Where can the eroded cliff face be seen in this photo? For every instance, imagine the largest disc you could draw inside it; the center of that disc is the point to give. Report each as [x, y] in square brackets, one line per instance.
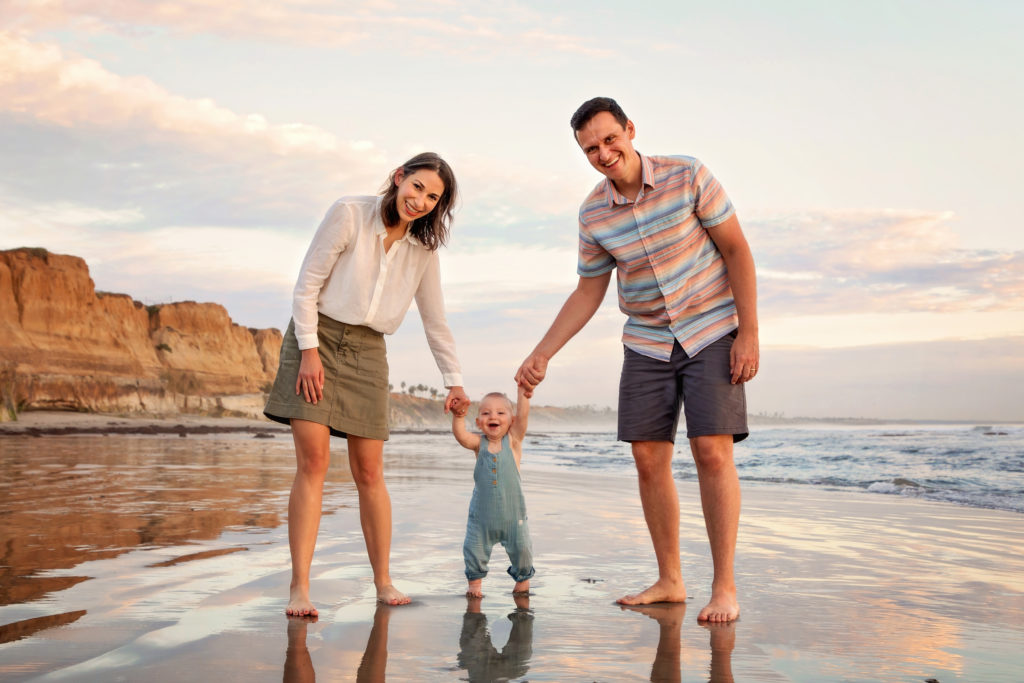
[64, 345]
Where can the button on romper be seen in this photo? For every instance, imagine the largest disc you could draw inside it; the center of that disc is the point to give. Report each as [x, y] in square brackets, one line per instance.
[497, 514]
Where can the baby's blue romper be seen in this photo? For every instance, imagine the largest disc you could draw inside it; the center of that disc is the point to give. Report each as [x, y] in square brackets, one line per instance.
[497, 514]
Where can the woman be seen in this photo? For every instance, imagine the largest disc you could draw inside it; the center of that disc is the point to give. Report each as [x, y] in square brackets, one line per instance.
[369, 258]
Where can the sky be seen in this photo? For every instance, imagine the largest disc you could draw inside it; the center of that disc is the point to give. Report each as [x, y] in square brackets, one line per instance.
[187, 151]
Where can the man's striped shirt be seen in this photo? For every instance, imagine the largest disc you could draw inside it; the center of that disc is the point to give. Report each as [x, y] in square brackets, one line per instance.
[671, 277]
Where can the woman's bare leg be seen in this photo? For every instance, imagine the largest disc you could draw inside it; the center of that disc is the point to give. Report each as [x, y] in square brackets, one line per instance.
[366, 460]
[312, 457]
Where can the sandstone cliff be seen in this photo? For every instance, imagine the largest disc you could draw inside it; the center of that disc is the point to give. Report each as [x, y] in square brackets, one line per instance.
[65, 345]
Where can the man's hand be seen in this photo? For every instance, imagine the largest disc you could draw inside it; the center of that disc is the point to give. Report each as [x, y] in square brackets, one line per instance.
[744, 357]
[456, 401]
[531, 373]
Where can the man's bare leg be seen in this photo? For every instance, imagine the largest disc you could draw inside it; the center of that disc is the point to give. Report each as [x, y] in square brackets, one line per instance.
[312, 457]
[660, 501]
[366, 460]
[720, 498]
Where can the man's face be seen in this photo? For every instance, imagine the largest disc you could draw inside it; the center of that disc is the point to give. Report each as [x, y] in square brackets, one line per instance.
[609, 148]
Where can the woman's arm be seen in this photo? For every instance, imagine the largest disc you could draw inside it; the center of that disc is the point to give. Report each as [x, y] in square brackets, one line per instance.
[331, 238]
[430, 302]
[310, 382]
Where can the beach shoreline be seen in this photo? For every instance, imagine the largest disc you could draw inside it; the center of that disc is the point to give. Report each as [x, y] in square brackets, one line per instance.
[176, 550]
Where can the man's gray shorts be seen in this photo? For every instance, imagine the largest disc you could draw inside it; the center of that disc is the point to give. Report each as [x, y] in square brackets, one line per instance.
[651, 392]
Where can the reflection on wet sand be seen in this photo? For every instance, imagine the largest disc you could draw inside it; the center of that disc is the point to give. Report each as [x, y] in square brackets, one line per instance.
[26, 627]
[477, 654]
[375, 657]
[667, 667]
[69, 500]
[298, 665]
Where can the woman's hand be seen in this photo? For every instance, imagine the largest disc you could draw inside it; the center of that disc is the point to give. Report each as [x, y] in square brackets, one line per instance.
[310, 383]
[457, 400]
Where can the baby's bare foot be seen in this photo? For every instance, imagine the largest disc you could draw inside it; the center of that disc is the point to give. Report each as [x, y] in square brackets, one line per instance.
[663, 590]
[521, 587]
[389, 595]
[475, 589]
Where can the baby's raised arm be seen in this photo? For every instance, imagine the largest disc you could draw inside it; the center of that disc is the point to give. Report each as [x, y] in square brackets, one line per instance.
[518, 430]
[466, 438]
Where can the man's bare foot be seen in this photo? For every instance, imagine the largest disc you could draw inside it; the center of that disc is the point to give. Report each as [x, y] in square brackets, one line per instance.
[389, 595]
[299, 604]
[722, 607]
[521, 587]
[663, 590]
[475, 589]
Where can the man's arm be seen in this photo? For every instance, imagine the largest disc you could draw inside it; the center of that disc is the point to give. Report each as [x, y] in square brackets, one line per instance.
[465, 438]
[577, 310]
[739, 262]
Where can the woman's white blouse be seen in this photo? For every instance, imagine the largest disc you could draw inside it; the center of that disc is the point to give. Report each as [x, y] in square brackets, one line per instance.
[348, 276]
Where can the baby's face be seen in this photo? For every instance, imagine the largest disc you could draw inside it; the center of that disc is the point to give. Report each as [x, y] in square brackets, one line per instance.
[495, 417]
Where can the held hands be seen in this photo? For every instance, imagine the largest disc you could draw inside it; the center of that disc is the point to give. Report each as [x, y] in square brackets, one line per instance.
[310, 383]
[457, 402]
[531, 373]
[744, 357]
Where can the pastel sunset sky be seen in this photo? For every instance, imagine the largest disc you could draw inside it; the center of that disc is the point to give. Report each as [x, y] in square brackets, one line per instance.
[188, 150]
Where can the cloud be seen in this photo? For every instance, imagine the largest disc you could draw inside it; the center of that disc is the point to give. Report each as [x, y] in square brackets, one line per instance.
[40, 81]
[486, 30]
[68, 122]
[878, 262]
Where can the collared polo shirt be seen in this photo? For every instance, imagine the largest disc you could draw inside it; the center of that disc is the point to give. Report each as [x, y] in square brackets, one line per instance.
[672, 279]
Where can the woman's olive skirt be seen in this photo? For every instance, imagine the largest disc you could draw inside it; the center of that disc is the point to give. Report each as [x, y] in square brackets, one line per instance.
[355, 398]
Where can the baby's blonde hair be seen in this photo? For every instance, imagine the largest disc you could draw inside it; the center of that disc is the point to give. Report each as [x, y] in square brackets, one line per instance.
[496, 394]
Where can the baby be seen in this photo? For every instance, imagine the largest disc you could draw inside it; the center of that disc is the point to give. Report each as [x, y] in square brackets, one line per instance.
[497, 511]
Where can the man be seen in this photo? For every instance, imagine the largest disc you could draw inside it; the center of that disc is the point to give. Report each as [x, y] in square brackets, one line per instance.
[687, 286]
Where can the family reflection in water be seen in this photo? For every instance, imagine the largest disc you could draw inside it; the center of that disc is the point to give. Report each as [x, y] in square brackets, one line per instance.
[482, 661]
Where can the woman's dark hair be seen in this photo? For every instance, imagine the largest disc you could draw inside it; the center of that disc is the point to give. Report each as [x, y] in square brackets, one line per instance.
[592, 108]
[432, 229]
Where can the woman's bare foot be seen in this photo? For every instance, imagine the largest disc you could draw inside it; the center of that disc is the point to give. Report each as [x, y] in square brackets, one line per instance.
[722, 607]
[299, 604]
[389, 595]
[663, 590]
[475, 589]
[521, 587]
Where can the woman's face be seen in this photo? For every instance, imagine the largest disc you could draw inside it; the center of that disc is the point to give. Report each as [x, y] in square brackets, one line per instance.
[418, 193]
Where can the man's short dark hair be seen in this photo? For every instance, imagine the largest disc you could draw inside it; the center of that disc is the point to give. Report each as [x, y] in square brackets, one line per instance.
[592, 108]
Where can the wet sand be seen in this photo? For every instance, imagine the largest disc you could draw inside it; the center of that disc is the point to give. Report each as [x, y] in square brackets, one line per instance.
[161, 558]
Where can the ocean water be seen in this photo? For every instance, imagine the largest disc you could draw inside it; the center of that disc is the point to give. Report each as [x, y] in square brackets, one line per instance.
[974, 465]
